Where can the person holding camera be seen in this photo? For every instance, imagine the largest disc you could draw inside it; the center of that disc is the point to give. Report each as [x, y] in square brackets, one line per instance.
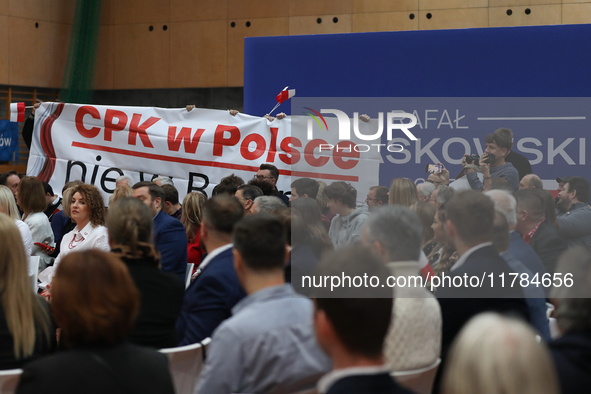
[492, 163]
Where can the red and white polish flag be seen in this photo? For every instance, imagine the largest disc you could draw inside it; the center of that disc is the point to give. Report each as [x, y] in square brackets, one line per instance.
[17, 112]
[285, 94]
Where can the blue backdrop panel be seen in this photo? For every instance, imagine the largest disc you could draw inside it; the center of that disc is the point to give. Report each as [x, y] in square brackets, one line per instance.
[8, 140]
[541, 61]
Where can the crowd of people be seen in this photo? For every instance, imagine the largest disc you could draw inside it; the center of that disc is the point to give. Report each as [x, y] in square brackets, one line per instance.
[116, 284]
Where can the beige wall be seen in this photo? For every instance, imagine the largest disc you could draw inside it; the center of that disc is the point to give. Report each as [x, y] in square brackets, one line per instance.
[200, 48]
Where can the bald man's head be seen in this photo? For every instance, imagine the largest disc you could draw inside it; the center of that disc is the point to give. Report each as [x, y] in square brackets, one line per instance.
[531, 181]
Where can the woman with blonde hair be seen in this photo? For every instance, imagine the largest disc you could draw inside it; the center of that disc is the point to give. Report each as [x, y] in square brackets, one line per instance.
[31, 199]
[25, 327]
[403, 191]
[191, 219]
[426, 212]
[8, 207]
[498, 355]
[119, 193]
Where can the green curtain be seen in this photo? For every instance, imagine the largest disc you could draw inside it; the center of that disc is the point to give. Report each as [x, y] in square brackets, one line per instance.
[79, 73]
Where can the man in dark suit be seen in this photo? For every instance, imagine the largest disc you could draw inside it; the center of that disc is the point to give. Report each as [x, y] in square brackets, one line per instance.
[351, 324]
[170, 237]
[536, 231]
[215, 288]
[469, 226]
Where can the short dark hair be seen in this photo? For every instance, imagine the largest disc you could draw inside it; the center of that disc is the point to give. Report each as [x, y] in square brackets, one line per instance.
[472, 214]
[171, 194]
[381, 193]
[154, 190]
[500, 139]
[222, 212]
[341, 191]
[532, 201]
[250, 192]
[361, 320]
[505, 134]
[260, 240]
[581, 186]
[274, 171]
[265, 187]
[307, 186]
[4, 177]
[228, 185]
[47, 187]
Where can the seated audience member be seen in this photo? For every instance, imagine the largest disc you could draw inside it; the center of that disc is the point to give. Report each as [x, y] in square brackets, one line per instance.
[535, 296]
[402, 192]
[470, 216]
[191, 219]
[228, 185]
[506, 204]
[424, 191]
[62, 222]
[26, 331]
[163, 180]
[123, 180]
[515, 362]
[87, 209]
[560, 207]
[549, 207]
[327, 214]
[11, 179]
[444, 254]
[161, 293]
[215, 289]
[172, 205]
[351, 326]
[572, 351]
[531, 181]
[520, 162]
[304, 187]
[95, 301]
[315, 236]
[426, 213]
[499, 145]
[575, 219]
[536, 231]
[414, 338]
[265, 187]
[31, 199]
[348, 223]
[267, 204]
[269, 341]
[53, 201]
[377, 197]
[441, 195]
[169, 234]
[270, 174]
[119, 193]
[246, 194]
[8, 207]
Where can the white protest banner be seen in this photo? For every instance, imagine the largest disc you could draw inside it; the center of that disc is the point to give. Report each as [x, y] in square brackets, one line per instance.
[96, 144]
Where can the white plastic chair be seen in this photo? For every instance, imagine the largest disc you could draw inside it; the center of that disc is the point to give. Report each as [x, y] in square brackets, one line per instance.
[205, 343]
[34, 270]
[549, 310]
[9, 380]
[188, 274]
[185, 364]
[418, 380]
[554, 331]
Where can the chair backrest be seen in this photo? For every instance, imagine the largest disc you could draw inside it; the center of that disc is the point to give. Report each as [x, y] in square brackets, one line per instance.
[9, 380]
[549, 310]
[418, 380]
[34, 270]
[188, 274]
[205, 343]
[185, 364]
[554, 331]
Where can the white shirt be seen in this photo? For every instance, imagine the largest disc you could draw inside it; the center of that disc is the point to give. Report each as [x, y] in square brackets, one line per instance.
[90, 237]
[40, 232]
[26, 236]
[332, 377]
[465, 256]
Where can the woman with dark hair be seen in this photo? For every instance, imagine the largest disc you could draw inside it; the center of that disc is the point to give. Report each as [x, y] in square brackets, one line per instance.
[314, 236]
[426, 212]
[161, 293]
[31, 199]
[95, 301]
[26, 331]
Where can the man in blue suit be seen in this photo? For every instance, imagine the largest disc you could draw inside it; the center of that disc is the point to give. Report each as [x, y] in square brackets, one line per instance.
[215, 288]
[169, 237]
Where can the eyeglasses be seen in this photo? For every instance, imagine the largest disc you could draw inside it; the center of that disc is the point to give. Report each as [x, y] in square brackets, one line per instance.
[372, 199]
[262, 177]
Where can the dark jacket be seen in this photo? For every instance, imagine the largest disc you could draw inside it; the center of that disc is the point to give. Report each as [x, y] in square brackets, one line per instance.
[170, 240]
[520, 162]
[575, 225]
[209, 300]
[123, 368]
[381, 383]
[526, 254]
[161, 297]
[572, 359]
[548, 245]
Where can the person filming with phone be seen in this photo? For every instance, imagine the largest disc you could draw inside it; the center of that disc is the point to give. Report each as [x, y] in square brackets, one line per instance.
[492, 163]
